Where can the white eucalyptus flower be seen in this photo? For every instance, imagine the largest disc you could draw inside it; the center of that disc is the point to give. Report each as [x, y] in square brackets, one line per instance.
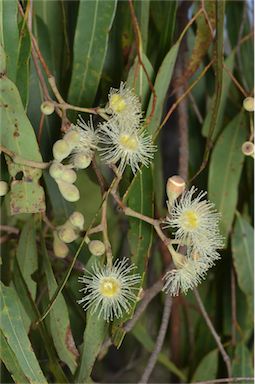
[126, 146]
[185, 276]
[109, 291]
[197, 224]
[125, 106]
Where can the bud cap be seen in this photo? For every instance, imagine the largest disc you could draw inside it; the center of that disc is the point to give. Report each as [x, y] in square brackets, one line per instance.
[96, 247]
[174, 188]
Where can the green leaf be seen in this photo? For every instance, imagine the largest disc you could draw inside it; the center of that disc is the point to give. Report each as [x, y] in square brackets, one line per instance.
[17, 134]
[161, 86]
[22, 75]
[10, 35]
[225, 170]
[10, 361]
[142, 11]
[207, 368]
[226, 82]
[242, 363]
[90, 44]
[243, 251]
[141, 334]
[137, 79]
[15, 334]
[27, 254]
[93, 338]
[59, 319]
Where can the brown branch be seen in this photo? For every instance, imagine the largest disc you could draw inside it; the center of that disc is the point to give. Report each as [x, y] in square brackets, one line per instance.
[159, 342]
[100, 178]
[213, 332]
[238, 85]
[9, 229]
[20, 160]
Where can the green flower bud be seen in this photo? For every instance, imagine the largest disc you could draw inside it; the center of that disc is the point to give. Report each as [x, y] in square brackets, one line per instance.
[248, 148]
[68, 175]
[174, 188]
[77, 220]
[3, 188]
[81, 161]
[56, 170]
[96, 247]
[47, 107]
[69, 191]
[67, 234]
[61, 150]
[72, 137]
[248, 104]
[59, 247]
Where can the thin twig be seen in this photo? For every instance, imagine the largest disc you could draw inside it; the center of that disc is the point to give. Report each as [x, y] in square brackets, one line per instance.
[20, 160]
[214, 333]
[233, 305]
[9, 229]
[159, 342]
[100, 178]
[108, 248]
[238, 85]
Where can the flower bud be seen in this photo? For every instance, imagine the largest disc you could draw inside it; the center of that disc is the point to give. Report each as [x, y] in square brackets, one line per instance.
[178, 259]
[77, 220]
[56, 170]
[47, 107]
[68, 175]
[72, 137]
[81, 161]
[59, 247]
[248, 148]
[3, 188]
[61, 150]
[248, 104]
[67, 234]
[69, 191]
[96, 247]
[174, 188]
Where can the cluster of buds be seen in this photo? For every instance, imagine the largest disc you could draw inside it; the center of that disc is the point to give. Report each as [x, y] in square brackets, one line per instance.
[67, 233]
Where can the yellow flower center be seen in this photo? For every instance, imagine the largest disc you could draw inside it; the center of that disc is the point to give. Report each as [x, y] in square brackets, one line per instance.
[117, 103]
[109, 287]
[128, 142]
[190, 220]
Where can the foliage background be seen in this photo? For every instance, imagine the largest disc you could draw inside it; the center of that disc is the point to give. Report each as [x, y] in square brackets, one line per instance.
[88, 47]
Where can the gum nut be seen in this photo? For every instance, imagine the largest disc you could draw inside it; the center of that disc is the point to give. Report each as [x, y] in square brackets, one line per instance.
[69, 191]
[72, 137]
[81, 161]
[248, 148]
[56, 170]
[61, 150]
[77, 220]
[67, 234]
[68, 175]
[174, 187]
[59, 247]
[248, 104]
[3, 188]
[97, 247]
[47, 107]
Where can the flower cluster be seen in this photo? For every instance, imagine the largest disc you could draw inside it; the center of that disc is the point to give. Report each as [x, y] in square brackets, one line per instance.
[196, 226]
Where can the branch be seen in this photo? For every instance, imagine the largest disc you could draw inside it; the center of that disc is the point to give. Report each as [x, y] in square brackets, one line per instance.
[159, 342]
[20, 160]
[213, 332]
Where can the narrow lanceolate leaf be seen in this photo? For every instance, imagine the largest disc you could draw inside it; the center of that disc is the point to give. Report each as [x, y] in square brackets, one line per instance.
[137, 79]
[142, 11]
[15, 334]
[17, 134]
[10, 35]
[161, 86]
[243, 251]
[90, 43]
[207, 368]
[226, 82]
[94, 335]
[59, 319]
[27, 254]
[10, 361]
[22, 73]
[225, 170]
[242, 363]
